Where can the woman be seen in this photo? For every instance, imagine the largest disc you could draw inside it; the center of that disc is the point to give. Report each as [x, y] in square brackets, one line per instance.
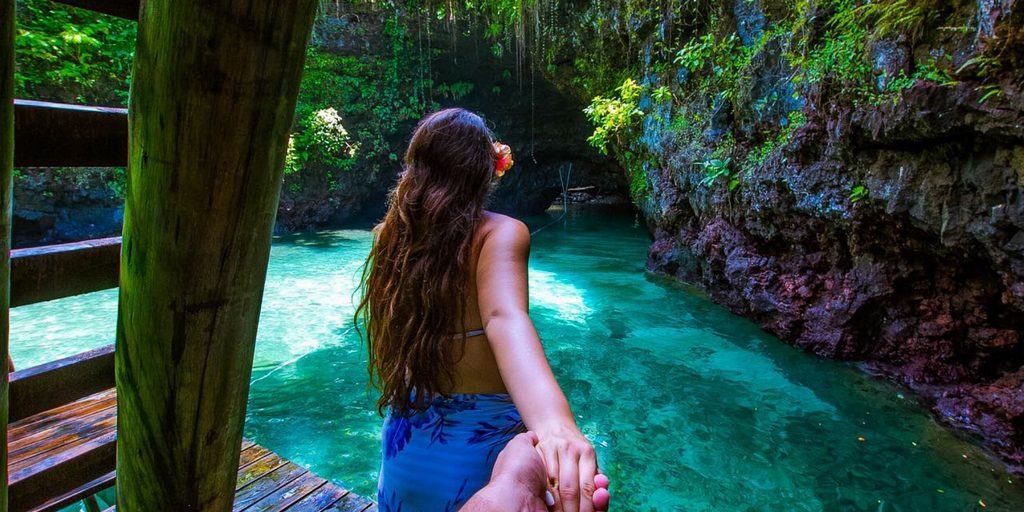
[451, 347]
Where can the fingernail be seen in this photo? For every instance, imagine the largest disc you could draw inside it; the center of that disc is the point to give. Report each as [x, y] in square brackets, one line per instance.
[549, 498]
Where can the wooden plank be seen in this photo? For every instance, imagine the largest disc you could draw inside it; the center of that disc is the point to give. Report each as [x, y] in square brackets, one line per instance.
[51, 272]
[60, 135]
[258, 469]
[26, 426]
[77, 494]
[214, 88]
[52, 452]
[287, 495]
[252, 455]
[320, 499]
[61, 471]
[24, 446]
[266, 484]
[127, 9]
[51, 385]
[351, 502]
[6, 174]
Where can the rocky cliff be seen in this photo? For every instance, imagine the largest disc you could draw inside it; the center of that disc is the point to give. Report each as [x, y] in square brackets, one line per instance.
[862, 200]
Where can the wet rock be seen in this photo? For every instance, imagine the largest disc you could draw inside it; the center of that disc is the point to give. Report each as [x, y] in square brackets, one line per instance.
[749, 21]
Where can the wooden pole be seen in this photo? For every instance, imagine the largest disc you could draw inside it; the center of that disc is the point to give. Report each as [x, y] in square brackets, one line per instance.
[213, 95]
[6, 173]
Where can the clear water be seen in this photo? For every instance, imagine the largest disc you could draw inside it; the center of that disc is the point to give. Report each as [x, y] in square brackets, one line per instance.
[691, 408]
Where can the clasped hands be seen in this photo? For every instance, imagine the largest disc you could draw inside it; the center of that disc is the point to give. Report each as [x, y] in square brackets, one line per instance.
[519, 483]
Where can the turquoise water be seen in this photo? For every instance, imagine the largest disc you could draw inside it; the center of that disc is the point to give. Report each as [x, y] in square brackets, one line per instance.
[691, 408]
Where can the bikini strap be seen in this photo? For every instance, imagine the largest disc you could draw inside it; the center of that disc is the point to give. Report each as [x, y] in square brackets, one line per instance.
[471, 334]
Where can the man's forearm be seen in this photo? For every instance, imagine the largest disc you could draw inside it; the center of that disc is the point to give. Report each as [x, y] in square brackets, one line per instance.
[503, 497]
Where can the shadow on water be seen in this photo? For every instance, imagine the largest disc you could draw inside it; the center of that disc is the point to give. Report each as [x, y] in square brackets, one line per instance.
[328, 240]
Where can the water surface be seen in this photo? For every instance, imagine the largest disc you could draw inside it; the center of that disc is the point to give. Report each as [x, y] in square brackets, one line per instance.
[691, 408]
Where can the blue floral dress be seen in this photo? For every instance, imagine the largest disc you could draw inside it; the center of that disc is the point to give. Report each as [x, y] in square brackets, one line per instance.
[435, 460]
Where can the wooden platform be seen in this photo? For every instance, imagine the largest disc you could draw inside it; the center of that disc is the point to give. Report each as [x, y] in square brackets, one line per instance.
[65, 453]
[268, 482]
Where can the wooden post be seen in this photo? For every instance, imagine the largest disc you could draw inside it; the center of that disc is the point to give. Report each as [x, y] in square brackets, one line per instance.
[6, 173]
[213, 95]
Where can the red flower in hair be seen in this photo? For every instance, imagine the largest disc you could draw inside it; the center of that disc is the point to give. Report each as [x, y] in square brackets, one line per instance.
[505, 161]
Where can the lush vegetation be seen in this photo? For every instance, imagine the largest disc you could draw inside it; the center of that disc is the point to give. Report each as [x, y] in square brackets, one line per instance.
[73, 55]
[68, 54]
[727, 86]
[351, 105]
[729, 91]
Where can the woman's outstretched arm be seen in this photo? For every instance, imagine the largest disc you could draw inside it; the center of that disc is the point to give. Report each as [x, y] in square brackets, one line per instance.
[504, 302]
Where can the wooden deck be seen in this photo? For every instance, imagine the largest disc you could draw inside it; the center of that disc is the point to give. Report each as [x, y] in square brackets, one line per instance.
[268, 482]
[73, 445]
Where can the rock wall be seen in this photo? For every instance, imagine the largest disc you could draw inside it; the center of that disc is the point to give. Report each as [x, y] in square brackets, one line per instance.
[889, 233]
[62, 205]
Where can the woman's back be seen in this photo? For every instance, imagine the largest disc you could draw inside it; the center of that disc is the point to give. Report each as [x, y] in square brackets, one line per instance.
[434, 459]
[476, 370]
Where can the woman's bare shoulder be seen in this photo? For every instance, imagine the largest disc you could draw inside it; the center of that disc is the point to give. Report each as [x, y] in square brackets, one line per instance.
[504, 230]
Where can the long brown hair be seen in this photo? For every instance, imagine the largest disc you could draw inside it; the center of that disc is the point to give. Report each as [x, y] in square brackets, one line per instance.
[414, 283]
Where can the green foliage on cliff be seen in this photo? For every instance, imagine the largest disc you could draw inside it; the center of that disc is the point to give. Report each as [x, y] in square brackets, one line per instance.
[613, 117]
[323, 139]
[73, 55]
[731, 90]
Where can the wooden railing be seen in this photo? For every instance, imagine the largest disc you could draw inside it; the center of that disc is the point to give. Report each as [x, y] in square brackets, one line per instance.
[127, 9]
[59, 382]
[59, 135]
[44, 475]
[51, 272]
[63, 450]
[62, 444]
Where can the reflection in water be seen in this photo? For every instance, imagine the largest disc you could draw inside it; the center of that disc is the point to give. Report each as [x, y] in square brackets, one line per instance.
[691, 408]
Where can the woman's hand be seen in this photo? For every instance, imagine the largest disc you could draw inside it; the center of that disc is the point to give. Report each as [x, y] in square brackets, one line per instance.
[571, 466]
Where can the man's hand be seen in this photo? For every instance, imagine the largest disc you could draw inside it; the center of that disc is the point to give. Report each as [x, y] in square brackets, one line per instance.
[518, 481]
